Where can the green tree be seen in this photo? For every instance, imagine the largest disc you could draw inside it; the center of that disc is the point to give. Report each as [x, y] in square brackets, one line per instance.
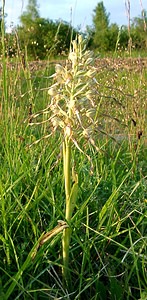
[43, 36]
[46, 37]
[113, 33]
[101, 26]
[64, 35]
[139, 31]
[31, 14]
[89, 36]
[28, 28]
[1, 18]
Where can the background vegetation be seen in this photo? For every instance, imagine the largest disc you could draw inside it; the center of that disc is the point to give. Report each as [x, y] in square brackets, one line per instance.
[109, 225]
[44, 37]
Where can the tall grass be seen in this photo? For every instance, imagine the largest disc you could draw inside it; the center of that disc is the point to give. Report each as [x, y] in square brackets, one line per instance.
[107, 251]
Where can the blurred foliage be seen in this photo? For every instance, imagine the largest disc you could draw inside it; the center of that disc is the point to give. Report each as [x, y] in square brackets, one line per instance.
[101, 26]
[105, 37]
[44, 37]
[41, 37]
[139, 31]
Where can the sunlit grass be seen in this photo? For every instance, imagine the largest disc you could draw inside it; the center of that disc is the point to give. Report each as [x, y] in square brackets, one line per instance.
[108, 242]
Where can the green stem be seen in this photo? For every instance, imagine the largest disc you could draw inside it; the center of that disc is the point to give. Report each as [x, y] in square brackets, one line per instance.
[67, 231]
[4, 70]
[67, 169]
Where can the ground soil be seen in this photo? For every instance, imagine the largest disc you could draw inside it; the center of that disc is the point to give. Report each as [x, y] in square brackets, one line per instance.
[137, 64]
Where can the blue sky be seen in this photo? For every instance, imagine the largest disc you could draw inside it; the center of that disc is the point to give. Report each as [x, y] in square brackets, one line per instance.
[82, 10]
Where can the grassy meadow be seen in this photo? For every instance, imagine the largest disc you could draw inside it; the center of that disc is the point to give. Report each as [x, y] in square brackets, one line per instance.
[107, 252]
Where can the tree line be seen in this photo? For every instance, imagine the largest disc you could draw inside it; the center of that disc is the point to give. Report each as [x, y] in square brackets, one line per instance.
[41, 37]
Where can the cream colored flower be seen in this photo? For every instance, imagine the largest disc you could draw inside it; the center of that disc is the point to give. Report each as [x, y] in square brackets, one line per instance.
[59, 69]
[91, 72]
[53, 90]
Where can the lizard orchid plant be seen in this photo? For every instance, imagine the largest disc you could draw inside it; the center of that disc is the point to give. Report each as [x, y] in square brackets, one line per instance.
[73, 110]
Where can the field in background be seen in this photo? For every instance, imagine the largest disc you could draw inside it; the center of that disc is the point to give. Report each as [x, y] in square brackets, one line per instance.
[108, 247]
